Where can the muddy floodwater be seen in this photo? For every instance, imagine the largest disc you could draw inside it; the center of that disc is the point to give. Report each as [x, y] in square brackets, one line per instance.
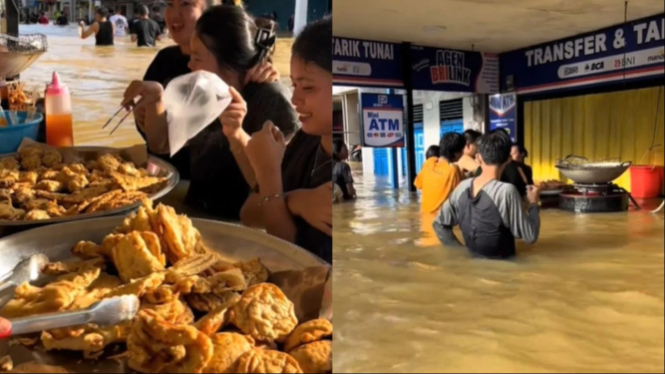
[98, 76]
[587, 298]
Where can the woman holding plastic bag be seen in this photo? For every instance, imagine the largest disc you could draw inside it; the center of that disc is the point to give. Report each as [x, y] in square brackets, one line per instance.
[231, 44]
[293, 200]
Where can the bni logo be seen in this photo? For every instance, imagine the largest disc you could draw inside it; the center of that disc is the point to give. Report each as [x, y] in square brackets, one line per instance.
[450, 68]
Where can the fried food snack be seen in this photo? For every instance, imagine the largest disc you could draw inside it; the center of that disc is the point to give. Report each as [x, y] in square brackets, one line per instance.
[181, 238]
[264, 313]
[138, 254]
[227, 349]
[32, 367]
[254, 271]
[267, 361]
[244, 325]
[309, 332]
[314, 357]
[54, 297]
[158, 346]
[174, 311]
[214, 321]
[105, 184]
[6, 364]
[36, 215]
[91, 340]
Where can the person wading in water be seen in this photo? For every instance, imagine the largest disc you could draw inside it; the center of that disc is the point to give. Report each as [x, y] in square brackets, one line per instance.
[102, 28]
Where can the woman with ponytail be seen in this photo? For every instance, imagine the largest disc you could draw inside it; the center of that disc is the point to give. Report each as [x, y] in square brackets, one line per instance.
[225, 40]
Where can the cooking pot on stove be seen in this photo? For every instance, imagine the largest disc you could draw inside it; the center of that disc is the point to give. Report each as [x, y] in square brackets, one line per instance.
[582, 171]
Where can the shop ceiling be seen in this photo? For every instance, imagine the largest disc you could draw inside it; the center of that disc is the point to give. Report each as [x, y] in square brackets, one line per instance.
[493, 26]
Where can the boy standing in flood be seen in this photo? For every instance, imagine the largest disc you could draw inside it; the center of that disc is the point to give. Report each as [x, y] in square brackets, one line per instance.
[440, 176]
[490, 212]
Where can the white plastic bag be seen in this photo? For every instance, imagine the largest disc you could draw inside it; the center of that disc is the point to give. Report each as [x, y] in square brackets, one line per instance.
[192, 102]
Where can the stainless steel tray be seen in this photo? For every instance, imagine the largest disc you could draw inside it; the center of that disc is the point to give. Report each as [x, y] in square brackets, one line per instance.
[156, 167]
[232, 241]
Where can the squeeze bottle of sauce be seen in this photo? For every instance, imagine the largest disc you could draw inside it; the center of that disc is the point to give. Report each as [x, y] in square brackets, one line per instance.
[58, 108]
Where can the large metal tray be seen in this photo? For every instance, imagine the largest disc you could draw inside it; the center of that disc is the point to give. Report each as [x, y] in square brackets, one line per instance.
[233, 242]
[156, 167]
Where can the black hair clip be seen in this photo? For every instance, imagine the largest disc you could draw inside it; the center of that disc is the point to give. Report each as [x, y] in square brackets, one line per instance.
[265, 40]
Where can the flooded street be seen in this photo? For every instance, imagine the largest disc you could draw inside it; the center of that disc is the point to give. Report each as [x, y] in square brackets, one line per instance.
[587, 298]
[98, 76]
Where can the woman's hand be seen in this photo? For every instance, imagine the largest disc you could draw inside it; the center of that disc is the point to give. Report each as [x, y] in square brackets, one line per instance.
[314, 206]
[264, 73]
[147, 92]
[265, 150]
[139, 115]
[233, 116]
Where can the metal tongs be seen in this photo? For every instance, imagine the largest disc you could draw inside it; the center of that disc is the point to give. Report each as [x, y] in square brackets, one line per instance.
[28, 270]
[107, 312]
[119, 122]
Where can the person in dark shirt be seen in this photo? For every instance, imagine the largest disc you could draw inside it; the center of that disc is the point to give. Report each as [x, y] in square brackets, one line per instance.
[516, 173]
[102, 28]
[519, 153]
[145, 32]
[171, 62]
[489, 213]
[62, 20]
[223, 43]
[293, 200]
[342, 171]
[157, 17]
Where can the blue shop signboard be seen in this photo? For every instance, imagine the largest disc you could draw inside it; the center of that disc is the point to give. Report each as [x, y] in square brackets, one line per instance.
[503, 114]
[382, 120]
[632, 51]
[366, 63]
[440, 69]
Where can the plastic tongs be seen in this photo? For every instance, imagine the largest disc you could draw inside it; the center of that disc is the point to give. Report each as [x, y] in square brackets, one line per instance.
[107, 312]
[28, 270]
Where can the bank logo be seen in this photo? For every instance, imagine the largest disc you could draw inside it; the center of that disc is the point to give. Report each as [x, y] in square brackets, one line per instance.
[570, 70]
[450, 68]
[660, 57]
[502, 104]
[383, 99]
[596, 66]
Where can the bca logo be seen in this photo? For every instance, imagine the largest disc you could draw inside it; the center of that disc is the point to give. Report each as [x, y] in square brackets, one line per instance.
[596, 66]
[383, 99]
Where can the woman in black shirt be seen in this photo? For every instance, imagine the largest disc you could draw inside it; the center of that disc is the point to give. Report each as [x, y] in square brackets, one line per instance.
[341, 170]
[224, 42]
[293, 200]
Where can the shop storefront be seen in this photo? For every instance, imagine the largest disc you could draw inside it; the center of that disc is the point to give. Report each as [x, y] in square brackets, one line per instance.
[597, 95]
[440, 90]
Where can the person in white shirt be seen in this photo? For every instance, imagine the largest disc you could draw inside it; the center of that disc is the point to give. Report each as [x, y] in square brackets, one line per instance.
[120, 22]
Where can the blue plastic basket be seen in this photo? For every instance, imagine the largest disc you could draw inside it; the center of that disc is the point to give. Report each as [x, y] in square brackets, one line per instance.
[12, 136]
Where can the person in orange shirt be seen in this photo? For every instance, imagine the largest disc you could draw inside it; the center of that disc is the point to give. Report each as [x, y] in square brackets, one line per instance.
[440, 176]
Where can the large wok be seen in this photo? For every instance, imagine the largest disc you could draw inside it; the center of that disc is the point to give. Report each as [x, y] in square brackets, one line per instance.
[581, 171]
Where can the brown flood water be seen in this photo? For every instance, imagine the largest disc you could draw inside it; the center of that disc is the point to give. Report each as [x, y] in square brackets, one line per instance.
[587, 298]
[98, 76]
